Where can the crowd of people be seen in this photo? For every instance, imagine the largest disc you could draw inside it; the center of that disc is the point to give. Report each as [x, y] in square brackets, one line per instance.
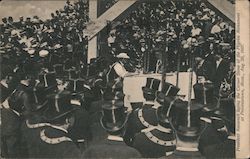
[56, 105]
[172, 27]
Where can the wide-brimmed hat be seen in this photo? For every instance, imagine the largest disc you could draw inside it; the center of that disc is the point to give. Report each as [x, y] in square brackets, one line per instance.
[59, 105]
[43, 53]
[123, 55]
[114, 116]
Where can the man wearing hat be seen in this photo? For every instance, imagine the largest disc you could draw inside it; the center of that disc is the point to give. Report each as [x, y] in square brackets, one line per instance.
[113, 120]
[35, 120]
[225, 149]
[158, 141]
[16, 106]
[143, 117]
[54, 140]
[80, 97]
[188, 127]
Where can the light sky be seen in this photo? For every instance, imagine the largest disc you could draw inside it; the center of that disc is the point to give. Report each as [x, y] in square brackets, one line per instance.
[29, 8]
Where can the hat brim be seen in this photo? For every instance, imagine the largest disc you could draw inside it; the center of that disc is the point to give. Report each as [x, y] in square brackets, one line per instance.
[160, 97]
[113, 127]
[210, 107]
[161, 116]
[148, 90]
[39, 106]
[190, 131]
[51, 117]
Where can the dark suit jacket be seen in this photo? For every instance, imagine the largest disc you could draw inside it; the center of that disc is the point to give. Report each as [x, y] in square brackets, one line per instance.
[150, 148]
[37, 148]
[210, 136]
[135, 125]
[225, 149]
[221, 71]
[111, 149]
[206, 70]
[220, 74]
[10, 134]
[185, 155]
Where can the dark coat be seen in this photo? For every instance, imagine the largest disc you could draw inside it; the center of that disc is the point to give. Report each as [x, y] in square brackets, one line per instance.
[38, 148]
[111, 149]
[149, 145]
[4, 92]
[137, 123]
[210, 136]
[206, 70]
[221, 71]
[220, 74]
[10, 133]
[225, 149]
[185, 155]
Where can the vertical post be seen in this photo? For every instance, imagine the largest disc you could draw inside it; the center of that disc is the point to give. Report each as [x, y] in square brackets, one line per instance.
[92, 44]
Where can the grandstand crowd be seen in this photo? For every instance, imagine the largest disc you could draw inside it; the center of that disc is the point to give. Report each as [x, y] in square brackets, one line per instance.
[54, 104]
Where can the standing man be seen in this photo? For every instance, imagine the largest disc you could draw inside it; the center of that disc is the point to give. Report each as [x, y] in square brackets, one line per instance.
[221, 70]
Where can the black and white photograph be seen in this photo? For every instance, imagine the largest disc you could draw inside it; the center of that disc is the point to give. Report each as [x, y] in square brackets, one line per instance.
[120, 79]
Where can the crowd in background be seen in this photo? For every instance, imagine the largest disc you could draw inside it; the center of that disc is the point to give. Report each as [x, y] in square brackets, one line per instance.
[172, 27]
[62, 36]
[155, 36]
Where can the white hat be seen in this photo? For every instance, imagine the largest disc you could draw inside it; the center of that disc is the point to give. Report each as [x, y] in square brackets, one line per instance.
[185, 46]
[43, 53]
[31, 51]
[123, 55]
[58, 46]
